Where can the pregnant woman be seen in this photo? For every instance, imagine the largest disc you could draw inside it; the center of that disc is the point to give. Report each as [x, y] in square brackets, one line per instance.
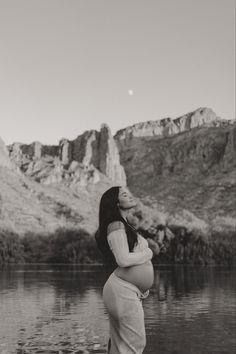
[130, 254]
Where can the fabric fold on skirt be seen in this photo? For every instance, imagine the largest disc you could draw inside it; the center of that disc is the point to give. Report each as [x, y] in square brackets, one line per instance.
[123, 302]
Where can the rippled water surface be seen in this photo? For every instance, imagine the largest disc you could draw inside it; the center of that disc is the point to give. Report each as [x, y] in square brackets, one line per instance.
[59, 309]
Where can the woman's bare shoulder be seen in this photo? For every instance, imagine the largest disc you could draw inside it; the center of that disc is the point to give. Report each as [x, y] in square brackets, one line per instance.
[115, 225]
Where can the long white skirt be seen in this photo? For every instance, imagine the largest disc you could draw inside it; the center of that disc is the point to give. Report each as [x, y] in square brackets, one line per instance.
[123, 302]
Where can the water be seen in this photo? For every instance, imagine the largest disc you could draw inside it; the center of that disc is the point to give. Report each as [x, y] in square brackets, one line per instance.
[59, 309]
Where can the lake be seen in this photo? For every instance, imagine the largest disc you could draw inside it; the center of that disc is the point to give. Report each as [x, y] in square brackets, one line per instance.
[59, 309]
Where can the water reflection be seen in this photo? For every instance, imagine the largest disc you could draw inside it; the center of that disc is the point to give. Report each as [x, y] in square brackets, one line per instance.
[194, 311]
[59, 308]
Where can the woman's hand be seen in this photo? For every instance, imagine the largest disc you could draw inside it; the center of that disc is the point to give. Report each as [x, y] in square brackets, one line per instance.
[154, 246]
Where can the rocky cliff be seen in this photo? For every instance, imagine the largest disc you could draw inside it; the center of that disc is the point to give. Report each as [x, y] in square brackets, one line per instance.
[77, 162]
[44, 187]
[193, 170]
[181, 170]
[29, 206]
[4, 156]
[186, 170]
[167, 127]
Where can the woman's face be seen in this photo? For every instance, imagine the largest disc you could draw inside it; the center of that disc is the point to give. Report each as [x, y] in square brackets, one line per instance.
[126, 200]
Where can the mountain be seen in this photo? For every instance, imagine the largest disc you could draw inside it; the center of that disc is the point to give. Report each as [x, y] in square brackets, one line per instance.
[167, 127]
[76, 162]
[192, 169]
[182, 172]
[39, 193]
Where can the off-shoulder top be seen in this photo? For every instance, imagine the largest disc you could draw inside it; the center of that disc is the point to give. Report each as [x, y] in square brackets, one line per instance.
[118, 244]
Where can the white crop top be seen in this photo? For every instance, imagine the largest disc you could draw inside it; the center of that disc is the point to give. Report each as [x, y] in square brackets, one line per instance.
[118, 243]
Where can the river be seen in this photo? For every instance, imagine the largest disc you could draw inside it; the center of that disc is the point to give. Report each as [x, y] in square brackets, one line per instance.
[59, 309]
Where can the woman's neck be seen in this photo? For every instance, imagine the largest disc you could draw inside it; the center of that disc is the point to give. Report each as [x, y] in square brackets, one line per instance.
[124, 213]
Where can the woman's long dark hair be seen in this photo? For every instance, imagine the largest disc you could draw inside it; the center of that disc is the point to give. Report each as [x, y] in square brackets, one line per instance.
[109, 212]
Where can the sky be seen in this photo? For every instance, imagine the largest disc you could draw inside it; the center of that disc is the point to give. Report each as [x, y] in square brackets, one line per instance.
[67, 66]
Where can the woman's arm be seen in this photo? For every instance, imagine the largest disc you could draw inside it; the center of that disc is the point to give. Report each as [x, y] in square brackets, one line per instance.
[117, 240]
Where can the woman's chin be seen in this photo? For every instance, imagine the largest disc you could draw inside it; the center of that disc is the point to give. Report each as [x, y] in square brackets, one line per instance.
[132, 205]
[128, 206]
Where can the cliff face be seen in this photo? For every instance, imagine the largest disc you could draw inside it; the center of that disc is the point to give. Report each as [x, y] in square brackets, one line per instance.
[42, 208]
[193, 170]
[183, 170]
[168, 127]
[44, 187]
[76, 162]
[189, 177]
[4, 156]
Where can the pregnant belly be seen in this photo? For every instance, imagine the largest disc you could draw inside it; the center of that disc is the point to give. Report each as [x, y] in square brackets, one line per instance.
[141, 275]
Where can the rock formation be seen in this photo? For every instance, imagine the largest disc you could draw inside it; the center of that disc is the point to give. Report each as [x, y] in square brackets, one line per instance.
[230, 149]
[86, 148]
[51, 164]
[194, 170]
[182, 170]
[109, 158]
[4, 156]
[65, 151]
[168, 126]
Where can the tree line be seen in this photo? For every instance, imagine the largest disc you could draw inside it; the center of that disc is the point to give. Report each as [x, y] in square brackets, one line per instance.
[78, 246]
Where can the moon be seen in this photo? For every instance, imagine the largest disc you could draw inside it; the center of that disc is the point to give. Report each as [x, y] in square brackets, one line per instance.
[130, 92]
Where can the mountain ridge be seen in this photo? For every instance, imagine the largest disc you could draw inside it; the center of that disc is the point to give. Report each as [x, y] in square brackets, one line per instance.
[181, 178]
[170, 126]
